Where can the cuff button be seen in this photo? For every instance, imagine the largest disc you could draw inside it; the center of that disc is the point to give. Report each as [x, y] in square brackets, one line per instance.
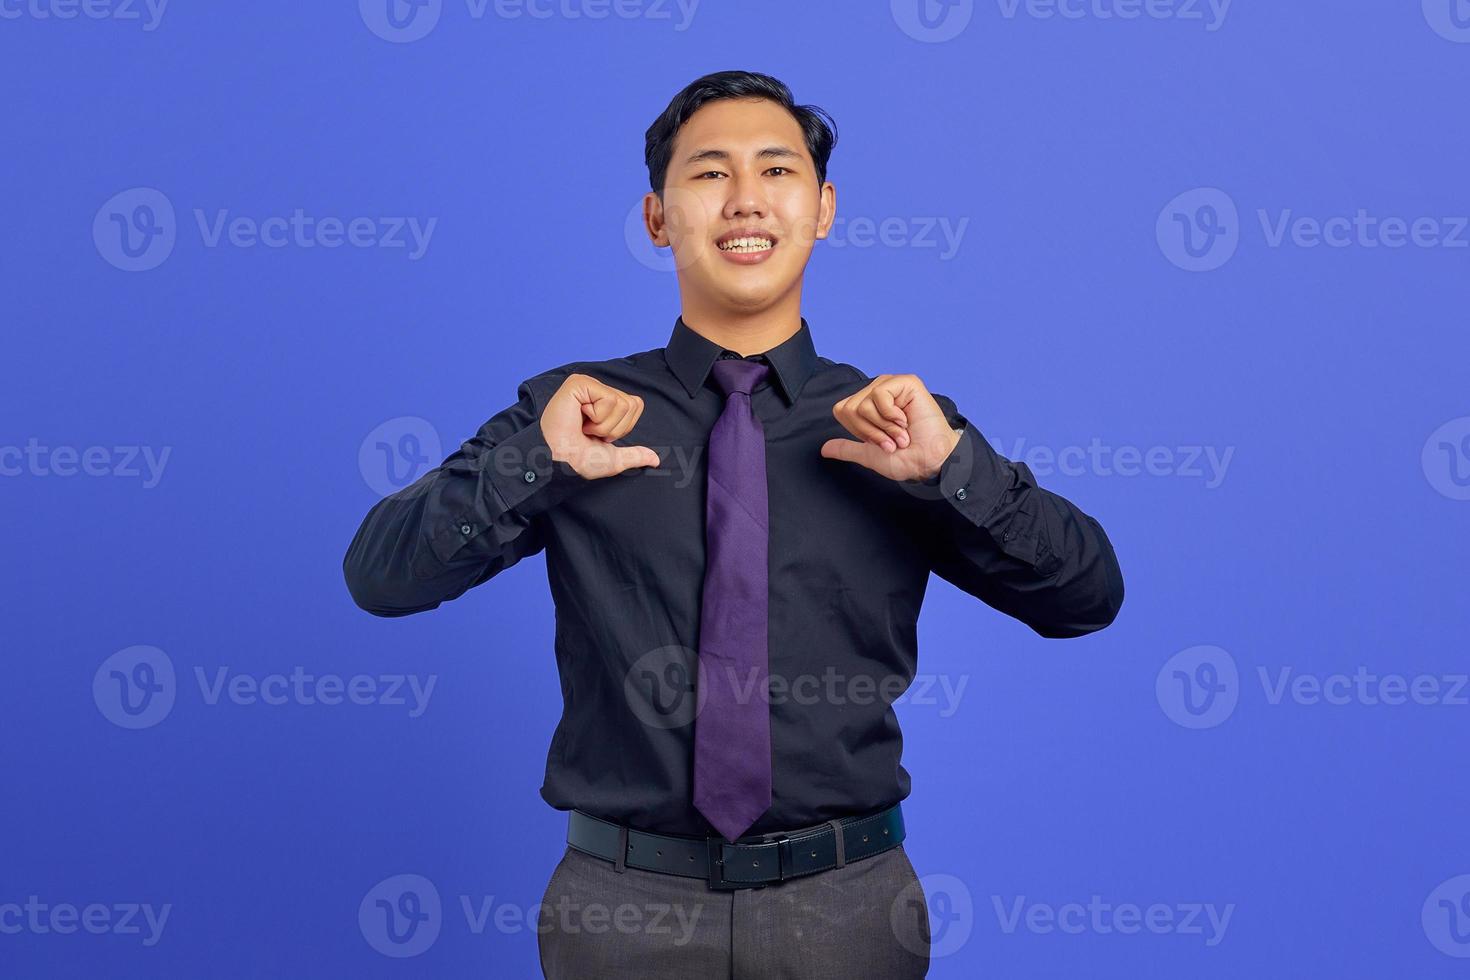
[529, 476]
[465, 529]
[960, 493]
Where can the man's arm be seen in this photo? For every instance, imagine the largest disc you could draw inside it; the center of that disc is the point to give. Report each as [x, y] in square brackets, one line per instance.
[465, 521]
[1028, 552]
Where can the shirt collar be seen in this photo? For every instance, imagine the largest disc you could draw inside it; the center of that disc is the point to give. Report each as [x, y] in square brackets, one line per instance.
[690, 355]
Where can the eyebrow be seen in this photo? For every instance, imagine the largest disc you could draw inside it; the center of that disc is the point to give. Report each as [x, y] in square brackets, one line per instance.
[766, 153]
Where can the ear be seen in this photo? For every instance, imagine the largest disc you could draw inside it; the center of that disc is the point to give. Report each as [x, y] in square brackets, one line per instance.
[653, 219]
[827, 210]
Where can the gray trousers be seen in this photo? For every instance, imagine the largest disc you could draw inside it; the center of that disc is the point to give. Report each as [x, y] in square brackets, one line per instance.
[867, 919]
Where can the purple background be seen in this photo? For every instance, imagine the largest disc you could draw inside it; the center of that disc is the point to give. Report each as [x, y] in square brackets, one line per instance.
[1334, 540]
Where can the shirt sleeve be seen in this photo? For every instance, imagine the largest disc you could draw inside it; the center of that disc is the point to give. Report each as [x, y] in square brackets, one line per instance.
[466, 520]
[1030, 553]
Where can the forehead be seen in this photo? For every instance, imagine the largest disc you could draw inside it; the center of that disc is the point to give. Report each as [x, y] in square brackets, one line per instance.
[738, 125]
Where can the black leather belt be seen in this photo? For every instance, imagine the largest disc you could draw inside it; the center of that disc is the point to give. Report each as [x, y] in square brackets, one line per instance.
[749, 862]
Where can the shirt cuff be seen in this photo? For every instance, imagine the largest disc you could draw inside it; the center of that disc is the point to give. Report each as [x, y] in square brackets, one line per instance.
[972, 477]
[525, 477]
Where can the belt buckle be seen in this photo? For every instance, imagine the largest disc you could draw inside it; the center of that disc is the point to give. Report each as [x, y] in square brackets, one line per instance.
[716, 876]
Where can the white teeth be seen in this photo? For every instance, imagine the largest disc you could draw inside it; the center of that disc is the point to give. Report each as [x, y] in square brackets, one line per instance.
[748, 244]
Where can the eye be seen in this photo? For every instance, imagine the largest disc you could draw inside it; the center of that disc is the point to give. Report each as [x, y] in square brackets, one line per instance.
[708, 172]
[782, 169]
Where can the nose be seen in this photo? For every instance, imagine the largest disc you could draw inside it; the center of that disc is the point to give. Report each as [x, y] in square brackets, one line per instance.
[746, 198]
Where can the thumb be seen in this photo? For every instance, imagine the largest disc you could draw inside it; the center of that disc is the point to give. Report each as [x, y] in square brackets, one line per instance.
[628, 457]
[850, 450]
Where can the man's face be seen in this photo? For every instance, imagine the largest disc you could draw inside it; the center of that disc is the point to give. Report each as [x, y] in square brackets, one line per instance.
[740, 170]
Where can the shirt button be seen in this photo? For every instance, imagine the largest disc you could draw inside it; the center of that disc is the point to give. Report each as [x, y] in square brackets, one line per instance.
[529, 476]
[960, 493]
[465, 529]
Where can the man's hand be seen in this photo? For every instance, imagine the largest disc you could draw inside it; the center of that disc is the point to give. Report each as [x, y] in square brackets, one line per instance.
[583, 418]
[902, 432]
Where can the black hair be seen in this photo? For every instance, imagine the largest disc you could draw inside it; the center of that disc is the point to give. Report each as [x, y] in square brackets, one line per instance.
[818, 128]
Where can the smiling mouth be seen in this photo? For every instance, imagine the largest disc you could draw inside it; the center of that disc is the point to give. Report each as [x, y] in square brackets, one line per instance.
[747, 244]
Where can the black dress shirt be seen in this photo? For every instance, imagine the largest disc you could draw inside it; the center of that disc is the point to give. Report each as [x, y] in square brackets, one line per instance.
[850, 555]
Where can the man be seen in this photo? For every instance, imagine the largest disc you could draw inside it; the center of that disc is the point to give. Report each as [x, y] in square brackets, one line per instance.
[720, 549]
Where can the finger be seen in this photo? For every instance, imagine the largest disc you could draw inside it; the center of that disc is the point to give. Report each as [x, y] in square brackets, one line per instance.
[888, 407]
[610, 412]
[868, 410]
[629, 457]
[629, 420]
[868, 430]
[848, 450]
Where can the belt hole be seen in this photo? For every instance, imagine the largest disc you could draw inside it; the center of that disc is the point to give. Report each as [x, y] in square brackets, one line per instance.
[885, 831]
[865, 838]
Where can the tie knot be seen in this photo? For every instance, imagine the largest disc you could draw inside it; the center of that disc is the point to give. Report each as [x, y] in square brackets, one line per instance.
[734, 374]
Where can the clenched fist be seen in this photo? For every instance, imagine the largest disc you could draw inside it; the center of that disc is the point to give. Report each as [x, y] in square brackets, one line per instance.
[902, 432]
[581, 421]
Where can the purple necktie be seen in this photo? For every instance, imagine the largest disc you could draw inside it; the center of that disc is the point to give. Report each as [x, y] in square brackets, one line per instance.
[732, 732]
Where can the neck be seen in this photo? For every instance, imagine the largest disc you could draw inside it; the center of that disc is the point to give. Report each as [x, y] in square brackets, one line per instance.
[744, 332]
